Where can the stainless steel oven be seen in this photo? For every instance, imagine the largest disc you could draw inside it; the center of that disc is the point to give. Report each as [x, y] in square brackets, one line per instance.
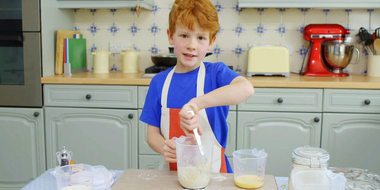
[20, 53]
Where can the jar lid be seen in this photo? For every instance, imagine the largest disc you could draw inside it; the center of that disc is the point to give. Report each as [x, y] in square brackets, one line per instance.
[311, 156]
[130, 49]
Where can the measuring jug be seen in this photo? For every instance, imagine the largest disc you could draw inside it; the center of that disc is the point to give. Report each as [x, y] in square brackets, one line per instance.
[319, 180]
[76, 176]
[194, 169]
[249, 168]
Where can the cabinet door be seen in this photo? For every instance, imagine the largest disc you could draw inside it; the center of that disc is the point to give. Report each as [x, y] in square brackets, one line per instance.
[149, 162]
[95, 136]
[22, 146]
[279, 134]
[352, 140]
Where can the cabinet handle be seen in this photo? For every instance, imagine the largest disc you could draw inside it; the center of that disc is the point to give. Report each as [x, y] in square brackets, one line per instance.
[88, 96]
[36, 114]
[316, 119]
[130, 116]
[367, 102]
[280, 100]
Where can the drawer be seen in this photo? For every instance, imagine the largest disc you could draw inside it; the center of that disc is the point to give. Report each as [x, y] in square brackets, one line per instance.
[143, 90]
[90, 96]
[284, 99]
[358, 101]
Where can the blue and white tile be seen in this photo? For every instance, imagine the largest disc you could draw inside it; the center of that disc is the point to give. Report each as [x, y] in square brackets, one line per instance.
[375, 18]
[271, 17]
[242, 63]
[116, 62]
[295, 38]
[359, 18]
[145, 60]
[227, 39]
[211, 58]
[103, 16]
[249, 18]
[124, 35]
[271, 37]
[161, 41]
[337, 16]
[228, 18]
[314, 16]
[144, 39]
[229, 58]
[162, 17]
[83, 16]
[292, 18]
[145, 20]
[247, 37]
[124, 17]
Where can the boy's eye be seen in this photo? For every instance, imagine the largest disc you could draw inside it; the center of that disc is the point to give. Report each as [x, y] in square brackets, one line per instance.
[201, 38]
[183, 36]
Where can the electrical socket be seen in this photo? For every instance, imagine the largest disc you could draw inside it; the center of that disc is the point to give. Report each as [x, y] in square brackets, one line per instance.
[117, 47]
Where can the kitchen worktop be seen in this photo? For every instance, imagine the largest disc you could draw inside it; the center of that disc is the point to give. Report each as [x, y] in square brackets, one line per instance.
[158, 179]
[294, 81]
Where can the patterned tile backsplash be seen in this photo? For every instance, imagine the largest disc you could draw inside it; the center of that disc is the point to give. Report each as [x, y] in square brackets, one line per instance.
[238, 29]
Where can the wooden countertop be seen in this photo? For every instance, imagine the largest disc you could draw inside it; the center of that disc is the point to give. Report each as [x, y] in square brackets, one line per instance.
[294, 81]
[167, 180]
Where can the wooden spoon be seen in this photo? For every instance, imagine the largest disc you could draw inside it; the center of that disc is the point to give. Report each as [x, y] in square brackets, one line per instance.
[376, 46]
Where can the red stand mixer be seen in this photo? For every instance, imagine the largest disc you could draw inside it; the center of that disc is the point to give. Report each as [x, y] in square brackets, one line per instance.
[327, 56]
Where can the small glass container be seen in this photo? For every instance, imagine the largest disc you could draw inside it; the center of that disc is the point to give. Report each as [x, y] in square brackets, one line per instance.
[64, 156]
[308, 158]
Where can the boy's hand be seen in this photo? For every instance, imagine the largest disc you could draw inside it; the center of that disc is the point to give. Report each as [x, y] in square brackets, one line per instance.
[189, 122]
[170, 151]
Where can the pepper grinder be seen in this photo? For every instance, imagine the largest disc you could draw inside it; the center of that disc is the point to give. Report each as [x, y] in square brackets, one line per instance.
[64, 156]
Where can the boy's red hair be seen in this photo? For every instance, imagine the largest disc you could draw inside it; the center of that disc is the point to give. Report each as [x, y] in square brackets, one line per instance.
[186, 12]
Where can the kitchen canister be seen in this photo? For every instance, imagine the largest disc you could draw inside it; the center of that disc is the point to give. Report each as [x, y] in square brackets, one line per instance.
[373, 69]
[308, 158]
[130, 60]
[101, 60]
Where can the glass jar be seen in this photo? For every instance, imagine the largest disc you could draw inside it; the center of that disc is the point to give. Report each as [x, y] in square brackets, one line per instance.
[308, 158]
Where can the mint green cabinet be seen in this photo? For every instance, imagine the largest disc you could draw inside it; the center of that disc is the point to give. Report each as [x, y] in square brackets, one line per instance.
[352, 140]
[95, 136]
[22, 146]
[279, 133]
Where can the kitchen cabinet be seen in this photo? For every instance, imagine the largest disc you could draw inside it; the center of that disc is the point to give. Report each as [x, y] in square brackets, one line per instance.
[328, 4]
[352, 140]
[95, 136]
[278, 133]
[351, 128]
[22, 146]
[103, 4]
[279, 120]
[98, 123]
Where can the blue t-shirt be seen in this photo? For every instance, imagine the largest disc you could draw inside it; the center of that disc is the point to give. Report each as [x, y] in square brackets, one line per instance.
[183, 88]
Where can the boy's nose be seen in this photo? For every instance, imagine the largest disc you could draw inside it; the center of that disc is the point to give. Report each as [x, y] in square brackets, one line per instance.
[191, 45]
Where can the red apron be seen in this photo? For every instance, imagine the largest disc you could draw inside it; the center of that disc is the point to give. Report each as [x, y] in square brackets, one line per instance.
[170, 125]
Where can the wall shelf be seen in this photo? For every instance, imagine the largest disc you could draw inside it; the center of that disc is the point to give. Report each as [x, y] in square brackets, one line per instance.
[329, 4]
[99, 4]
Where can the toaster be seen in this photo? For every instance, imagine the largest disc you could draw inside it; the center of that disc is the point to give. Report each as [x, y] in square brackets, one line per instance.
[268, 61]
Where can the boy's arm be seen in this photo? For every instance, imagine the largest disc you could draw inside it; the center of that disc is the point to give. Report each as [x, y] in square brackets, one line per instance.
[239, 90]
[157, 142]
[236, 92]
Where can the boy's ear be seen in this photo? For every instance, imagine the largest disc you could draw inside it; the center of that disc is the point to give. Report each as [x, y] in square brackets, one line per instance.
[211, 43]
[170, 37]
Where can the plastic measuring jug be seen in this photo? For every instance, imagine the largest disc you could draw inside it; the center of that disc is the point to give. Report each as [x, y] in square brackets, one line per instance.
[74, 177]
[319, 180]
[194, 169]
[249, 168]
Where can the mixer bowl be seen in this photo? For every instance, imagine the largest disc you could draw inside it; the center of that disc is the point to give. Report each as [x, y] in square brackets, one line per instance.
[336, 55]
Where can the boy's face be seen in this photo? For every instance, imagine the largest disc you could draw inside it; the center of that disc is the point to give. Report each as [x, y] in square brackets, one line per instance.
[190, 46]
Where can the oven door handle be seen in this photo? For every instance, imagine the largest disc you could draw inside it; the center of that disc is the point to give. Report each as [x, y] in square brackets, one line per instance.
[11, 38]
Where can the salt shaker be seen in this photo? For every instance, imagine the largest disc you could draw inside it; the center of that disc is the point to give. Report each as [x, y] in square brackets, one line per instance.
[308, 158]
[64, 156]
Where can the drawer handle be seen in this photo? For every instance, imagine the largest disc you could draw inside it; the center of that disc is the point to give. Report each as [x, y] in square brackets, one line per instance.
[130, 116]
[280, 100]
[367, 102]
[36, 114]
[88, 96]
[316, 119]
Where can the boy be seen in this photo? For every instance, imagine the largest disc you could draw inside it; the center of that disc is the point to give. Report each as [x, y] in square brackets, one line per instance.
[206, 88]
